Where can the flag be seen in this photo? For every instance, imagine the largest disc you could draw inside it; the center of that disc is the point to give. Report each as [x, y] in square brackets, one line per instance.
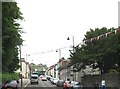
[100, 37]
[118, 30]
[108, 34]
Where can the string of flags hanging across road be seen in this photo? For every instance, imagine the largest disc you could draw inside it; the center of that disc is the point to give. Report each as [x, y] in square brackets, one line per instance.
[101, 36]
[49, 51]
[84, 42]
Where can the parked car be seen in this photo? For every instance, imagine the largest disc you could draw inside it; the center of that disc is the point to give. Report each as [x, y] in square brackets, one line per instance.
[67, 85]
[55, 80]
[10, 85]
[44, 78]
[48, 77]
[76, 85]
[60, 83]
[51, 79]
[41, 76]
[34, 79]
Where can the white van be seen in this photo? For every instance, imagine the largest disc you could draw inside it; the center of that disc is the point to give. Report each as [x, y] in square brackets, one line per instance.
[34, 79]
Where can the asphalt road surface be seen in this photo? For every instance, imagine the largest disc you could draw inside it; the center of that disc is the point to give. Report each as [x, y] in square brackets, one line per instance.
[42, 85]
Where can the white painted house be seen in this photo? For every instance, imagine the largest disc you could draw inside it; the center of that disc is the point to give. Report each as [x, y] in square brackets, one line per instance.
[25, 68]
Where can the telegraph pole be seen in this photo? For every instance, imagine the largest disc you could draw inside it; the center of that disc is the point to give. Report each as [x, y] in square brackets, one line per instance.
[74, 75]
[119, 14]
[20, 65]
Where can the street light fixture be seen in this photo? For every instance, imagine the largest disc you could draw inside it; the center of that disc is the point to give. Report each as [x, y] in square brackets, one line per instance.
[73, 52]
[26, 64]
[20, 65]
[59, 50]
[73, 42]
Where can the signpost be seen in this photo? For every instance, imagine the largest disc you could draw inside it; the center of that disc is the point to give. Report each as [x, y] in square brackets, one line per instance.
[103, 84]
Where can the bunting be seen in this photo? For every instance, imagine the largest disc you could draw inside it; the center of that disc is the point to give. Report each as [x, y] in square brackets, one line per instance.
[49, 51]
[100, 37]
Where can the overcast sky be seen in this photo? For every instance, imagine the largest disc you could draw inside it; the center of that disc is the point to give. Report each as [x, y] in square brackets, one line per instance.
[48, 23]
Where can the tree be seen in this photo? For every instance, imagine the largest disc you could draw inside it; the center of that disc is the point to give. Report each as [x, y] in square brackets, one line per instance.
[11, 36]
[100, 48]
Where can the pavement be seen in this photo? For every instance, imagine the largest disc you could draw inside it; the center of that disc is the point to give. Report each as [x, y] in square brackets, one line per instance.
[25, 82]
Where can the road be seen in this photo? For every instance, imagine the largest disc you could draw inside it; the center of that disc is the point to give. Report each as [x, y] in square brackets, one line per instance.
[42, 85]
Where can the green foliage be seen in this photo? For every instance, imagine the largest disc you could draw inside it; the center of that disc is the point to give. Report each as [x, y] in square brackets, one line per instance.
[11, 37]
[9, 76]
[40, 67]
[0, 79]
[105, 51]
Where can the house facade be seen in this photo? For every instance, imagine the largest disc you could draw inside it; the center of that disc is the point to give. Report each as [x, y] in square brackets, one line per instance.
[25, 69]
[64, 70]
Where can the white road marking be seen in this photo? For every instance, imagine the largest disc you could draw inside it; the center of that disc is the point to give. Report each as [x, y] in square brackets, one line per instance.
[26, 85]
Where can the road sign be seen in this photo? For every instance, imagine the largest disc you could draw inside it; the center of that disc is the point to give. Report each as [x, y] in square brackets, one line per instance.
[103, 82]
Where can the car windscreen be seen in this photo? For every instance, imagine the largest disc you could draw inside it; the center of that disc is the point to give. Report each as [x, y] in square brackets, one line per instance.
[34, 77]
[35, 73]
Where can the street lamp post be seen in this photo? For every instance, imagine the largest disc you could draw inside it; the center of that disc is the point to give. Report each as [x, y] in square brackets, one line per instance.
[59, 50]
[20, 65]
[119, 14]
[26, 65]
[72, 41]
[73, 52]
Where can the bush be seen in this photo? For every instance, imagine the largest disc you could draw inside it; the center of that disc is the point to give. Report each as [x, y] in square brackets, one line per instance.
[0, 79]
[9, 76]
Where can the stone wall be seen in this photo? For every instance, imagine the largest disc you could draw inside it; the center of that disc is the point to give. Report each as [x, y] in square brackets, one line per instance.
[111, 80]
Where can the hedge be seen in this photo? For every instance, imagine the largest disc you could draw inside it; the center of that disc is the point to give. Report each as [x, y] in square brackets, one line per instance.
[9, 76]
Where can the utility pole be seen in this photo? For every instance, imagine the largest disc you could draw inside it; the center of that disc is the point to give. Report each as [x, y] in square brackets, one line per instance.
[74, 73]
[74, 76]
[59, 50]
[20, 65]
[119, 14]
[27, 66]
[59, 53]
[72, 42]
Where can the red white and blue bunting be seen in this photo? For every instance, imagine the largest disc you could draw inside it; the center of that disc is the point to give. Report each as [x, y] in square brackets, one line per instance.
[100, 37]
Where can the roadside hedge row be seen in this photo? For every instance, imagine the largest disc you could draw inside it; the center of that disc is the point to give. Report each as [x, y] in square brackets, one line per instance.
[9, 76]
